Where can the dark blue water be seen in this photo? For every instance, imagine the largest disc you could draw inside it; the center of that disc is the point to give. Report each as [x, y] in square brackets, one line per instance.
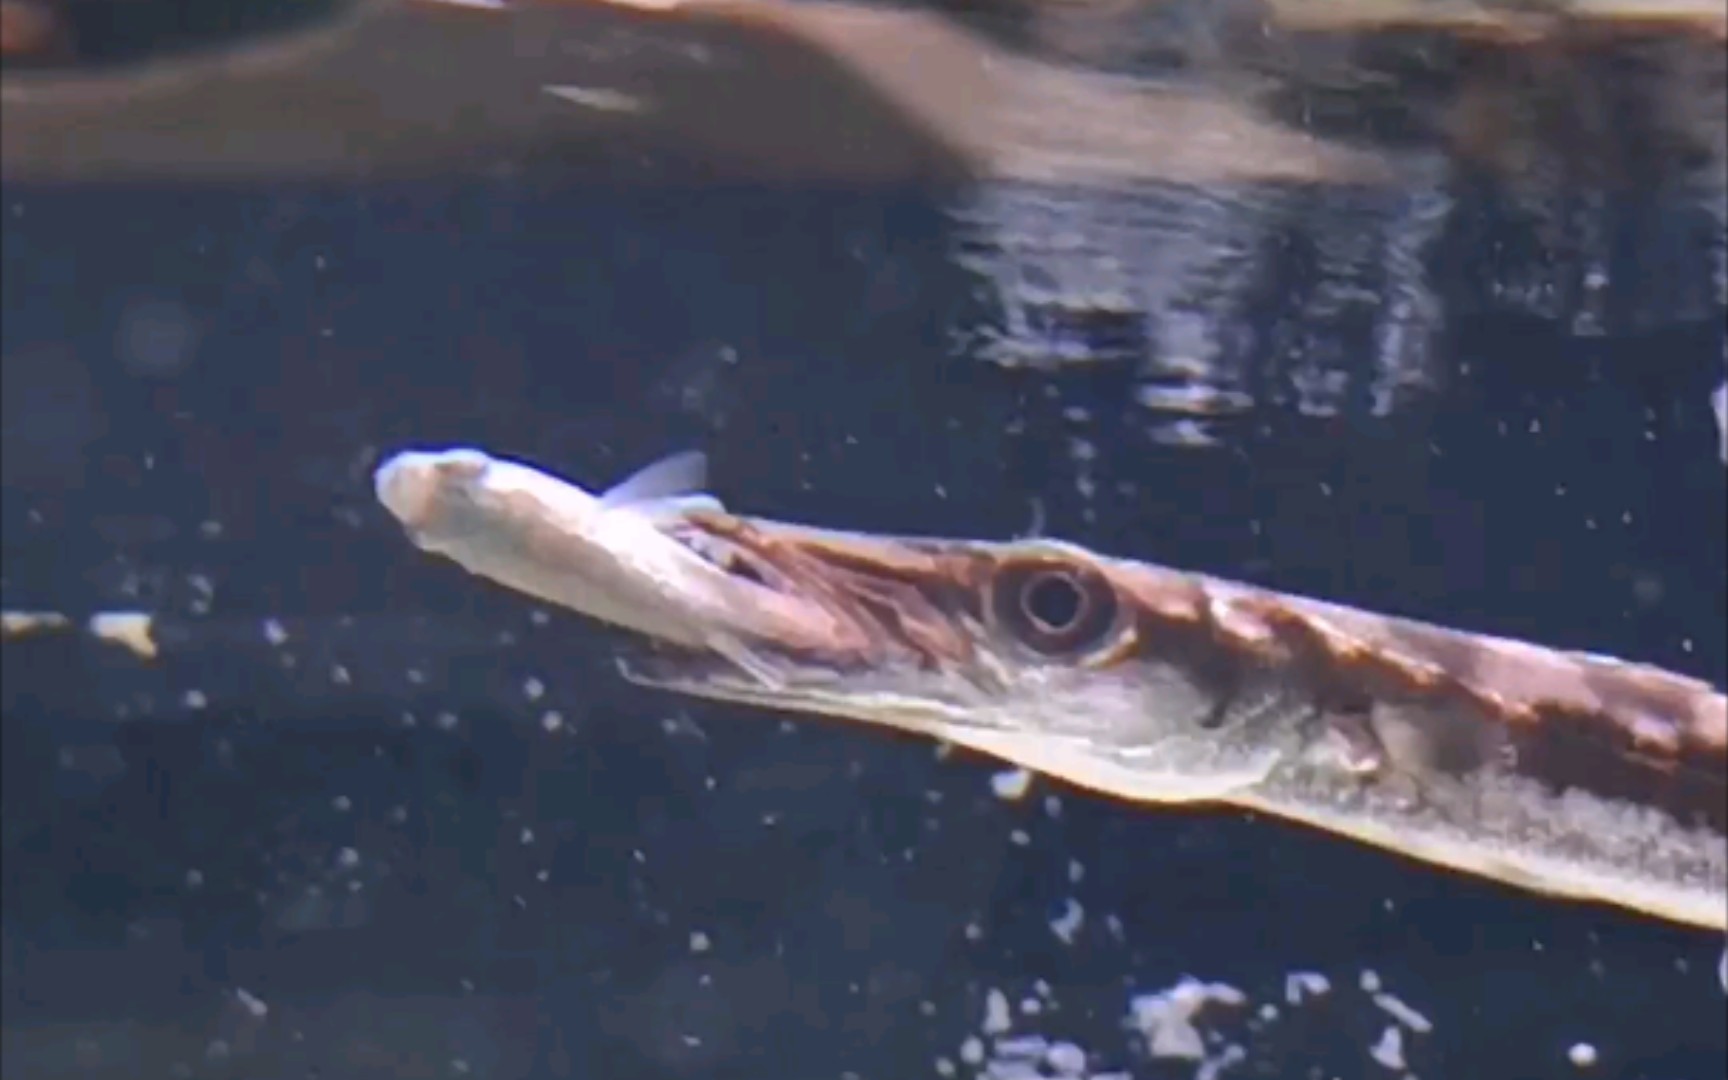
[331, 831]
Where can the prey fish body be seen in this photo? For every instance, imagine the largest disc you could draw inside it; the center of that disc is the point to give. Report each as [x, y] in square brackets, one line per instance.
[603, 555]
[1562, 773]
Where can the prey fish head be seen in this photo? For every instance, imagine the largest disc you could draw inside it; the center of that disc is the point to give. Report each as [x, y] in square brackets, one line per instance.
[1033, 652]
[436, 495]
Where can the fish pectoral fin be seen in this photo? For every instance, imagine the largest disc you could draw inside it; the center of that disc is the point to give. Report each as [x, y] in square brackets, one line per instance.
[671, 479]
[748, 661]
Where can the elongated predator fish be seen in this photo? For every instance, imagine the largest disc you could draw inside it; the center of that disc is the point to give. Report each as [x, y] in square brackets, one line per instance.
[1563, 773]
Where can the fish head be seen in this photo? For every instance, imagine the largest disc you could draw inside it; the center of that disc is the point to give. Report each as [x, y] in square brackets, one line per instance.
[431, 493]
[1034, 651]
[450, 499]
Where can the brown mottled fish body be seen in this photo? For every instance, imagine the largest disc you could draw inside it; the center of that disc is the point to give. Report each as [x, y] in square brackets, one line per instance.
[1562, 773]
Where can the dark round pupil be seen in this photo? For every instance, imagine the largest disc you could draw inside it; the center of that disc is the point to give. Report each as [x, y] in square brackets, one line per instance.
[1052, 601]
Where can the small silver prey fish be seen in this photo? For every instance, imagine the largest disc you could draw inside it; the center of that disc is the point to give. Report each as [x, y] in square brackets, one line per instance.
[603, 555]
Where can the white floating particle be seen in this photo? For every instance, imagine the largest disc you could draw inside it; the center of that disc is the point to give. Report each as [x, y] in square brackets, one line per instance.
[1021, 1048]
[347, 858]
[195, 699]
[130, 629]
[1403, 1013]
[997, 1018]
[533, 688]
[1388, 1051]
[1369, 981]
[274, 632]
[680, 725]
[1066, 926]
[599, 98]
[972, 1050]
[1166, 1018]
[699, 942]
[1227, 1059]
[1300, 985]
[251, 1003]
[1066, 1059]
[1582, 1055]
[206, 590]
[1011, 784]
[551, 721]
[19, 623]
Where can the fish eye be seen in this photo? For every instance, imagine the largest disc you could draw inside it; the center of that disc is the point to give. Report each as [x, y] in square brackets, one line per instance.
[1053, 608]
